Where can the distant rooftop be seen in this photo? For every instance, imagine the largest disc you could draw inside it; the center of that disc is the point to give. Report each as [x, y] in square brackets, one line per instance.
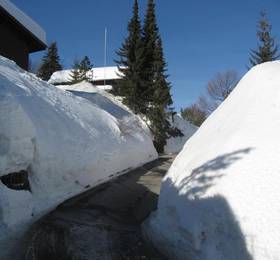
[96, 74]
[24, 20]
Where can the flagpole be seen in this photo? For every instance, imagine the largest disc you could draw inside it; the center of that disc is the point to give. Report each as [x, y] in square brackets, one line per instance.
[105, 54]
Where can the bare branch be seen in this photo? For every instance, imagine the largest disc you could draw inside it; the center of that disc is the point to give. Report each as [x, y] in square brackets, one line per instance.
[217, 90]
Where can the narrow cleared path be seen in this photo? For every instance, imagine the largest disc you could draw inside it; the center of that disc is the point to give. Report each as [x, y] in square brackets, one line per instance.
[103, 223]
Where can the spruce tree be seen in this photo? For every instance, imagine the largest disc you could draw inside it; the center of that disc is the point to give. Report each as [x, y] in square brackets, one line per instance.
[75, 75]
[150, 39]
[161, 89]
[267, 50]
[132, 86]
[160, 98]
[81, 70]
[85, 68]
[144, 84]
[50, 63]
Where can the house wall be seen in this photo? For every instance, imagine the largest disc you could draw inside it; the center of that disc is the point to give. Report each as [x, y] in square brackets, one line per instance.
[13, 44]
[107, 82]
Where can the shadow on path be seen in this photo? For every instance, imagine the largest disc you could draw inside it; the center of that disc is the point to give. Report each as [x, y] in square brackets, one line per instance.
[103, 223]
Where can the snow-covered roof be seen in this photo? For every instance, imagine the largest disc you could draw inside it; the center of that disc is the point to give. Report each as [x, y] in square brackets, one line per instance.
[96, 74]
[24, 20]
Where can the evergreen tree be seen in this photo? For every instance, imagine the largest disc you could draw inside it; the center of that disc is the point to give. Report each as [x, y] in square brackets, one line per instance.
[81, 70]
[85, 68]
[144, 84]
[159, 96]
[50, 63]
[150, 39]
[267, 50]
[161, 88]
[75, 74]
[132, 86]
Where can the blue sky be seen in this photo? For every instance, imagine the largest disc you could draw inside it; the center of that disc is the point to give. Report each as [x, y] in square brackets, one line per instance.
[200, 37]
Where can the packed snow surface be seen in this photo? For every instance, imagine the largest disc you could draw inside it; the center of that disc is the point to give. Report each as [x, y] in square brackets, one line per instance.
[96, 95]
[96, 74]
[24, 19]
[175, 144]
[99, 97]
[220, 198]
[67, 144]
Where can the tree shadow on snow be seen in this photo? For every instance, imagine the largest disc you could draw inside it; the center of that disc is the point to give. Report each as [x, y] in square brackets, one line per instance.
[204, 176]
[208, 226]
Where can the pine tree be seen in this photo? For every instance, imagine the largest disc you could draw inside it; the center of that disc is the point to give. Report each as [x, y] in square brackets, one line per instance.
[132, 86]
[85, 68]
[150, 39]
[160, 98]
[161, 87]
[267, 50]
[81, 70]
[50, 63]
[75, 75]
[144, 84]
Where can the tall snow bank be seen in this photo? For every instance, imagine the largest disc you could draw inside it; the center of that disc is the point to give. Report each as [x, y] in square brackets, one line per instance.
[66, 143]
[175, 144]
[112, 104]
[220, 199]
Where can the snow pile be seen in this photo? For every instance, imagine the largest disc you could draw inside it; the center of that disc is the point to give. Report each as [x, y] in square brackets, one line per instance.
[104, 100]
[104, 87]
[81, 87]
[65, 143]
[175, 144]
[96, 74]
[100, 98]
[111, 103]
[84, 87]
[220, 198]
[25, 20]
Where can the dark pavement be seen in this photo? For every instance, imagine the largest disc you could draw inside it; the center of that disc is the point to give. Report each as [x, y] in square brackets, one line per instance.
[105, 222]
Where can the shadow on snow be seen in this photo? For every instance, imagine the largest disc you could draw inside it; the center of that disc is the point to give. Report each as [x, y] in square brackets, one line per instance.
[215, 232]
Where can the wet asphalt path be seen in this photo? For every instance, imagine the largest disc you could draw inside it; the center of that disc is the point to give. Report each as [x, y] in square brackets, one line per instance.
[103, 223]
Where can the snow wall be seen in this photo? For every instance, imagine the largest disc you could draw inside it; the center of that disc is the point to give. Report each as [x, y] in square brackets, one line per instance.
[64, 143]
[220, 198]
[113, 104]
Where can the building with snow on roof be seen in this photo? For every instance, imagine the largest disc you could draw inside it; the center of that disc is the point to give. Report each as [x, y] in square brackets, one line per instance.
[101, 77]
[20, 35]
